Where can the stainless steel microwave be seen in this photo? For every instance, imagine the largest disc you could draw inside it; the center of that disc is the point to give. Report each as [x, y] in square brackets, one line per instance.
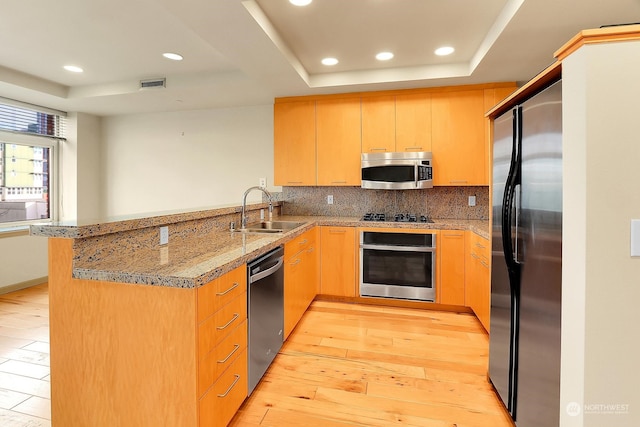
[397, 171]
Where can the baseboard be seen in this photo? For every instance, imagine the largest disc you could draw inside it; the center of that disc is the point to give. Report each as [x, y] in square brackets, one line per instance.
[23, 285]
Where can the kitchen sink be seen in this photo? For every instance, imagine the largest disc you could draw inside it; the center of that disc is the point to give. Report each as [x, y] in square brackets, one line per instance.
[271, 226]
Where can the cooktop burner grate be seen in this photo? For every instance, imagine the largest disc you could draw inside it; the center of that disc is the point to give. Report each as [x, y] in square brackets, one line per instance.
[402, 217]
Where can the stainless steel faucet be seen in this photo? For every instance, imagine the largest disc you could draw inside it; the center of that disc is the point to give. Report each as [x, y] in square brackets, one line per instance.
[243, 218]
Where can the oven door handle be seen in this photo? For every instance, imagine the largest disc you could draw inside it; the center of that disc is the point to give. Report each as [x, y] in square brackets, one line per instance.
[398, 248]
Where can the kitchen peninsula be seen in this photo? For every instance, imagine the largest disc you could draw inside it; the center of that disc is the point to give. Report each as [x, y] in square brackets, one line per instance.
[133, 323]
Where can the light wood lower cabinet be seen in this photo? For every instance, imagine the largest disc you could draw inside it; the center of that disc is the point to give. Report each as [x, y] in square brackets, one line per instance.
[144, 355]
[450, 252]
[478, 277]
[301, 258]
[222, 347]
[338, 261]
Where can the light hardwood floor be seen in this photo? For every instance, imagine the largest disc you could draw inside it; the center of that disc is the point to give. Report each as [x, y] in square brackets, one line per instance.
[359, 365]
[24, 358]
[344, 365]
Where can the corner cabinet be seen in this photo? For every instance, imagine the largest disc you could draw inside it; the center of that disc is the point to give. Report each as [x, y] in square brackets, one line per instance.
[301, 273]
[338, 141]
[478, 278]
[294, 138]
[338, 261]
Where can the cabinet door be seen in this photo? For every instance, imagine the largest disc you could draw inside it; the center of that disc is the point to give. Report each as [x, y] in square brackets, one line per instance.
[338, 141]
[458, 143]
[378, 124]
[294, 143]
[292, 295]
[451, 251]
[413, 122]
[338, 261]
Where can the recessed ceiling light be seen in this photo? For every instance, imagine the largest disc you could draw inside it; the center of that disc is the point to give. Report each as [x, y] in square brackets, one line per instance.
[329, 61]
[172, 56]
[73, 68]
[300, 2]
[443, 51]
[384, 56]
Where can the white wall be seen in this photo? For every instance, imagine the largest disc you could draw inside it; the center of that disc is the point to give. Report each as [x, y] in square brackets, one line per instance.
[601, 281]
[182, 160]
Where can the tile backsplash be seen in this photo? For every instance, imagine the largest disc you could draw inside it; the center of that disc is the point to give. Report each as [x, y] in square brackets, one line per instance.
[438, 202]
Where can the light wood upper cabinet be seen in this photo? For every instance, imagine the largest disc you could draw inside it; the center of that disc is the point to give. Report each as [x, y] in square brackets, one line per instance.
[451, 252]
[378, 124]
[413, 122]
[396, 123]
[338, 261]
[338, 141]
[294, 137]
[458, 144]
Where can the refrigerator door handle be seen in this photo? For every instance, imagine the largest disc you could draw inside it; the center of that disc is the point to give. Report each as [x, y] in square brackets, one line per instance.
[517, 240]
[511, 195]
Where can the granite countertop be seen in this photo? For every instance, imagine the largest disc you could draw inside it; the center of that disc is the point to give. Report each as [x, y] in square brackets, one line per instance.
[194, 262]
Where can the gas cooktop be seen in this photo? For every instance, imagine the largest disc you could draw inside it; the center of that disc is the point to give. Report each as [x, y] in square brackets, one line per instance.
[402, 217]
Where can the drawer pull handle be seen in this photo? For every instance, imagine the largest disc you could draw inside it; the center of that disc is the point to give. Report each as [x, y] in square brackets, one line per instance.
[337, 231]
[294, 182]
[474, 255]
[458, 181]
[296, 262]
[225, 326]
[412, 148]
[338, 182]
[378, 149]
[484, 263]
[230, 387]
[311, 249]
[235, 348]
[302, 242]
[235, 285]
[479, 245]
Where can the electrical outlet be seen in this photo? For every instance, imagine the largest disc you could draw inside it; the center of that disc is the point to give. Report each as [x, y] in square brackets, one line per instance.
[330, 199]
[164, 235]
[472, 200]
[262, 183]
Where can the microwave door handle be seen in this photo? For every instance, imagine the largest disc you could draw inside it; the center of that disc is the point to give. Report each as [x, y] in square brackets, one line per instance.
[416, 170]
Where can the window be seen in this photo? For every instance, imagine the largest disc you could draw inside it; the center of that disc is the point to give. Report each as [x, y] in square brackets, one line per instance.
[28, 142]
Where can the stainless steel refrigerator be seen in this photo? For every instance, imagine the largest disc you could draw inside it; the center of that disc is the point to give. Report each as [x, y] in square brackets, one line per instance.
[526, 277]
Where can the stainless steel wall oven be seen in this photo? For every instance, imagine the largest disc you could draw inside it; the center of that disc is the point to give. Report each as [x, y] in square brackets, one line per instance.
[398, 265]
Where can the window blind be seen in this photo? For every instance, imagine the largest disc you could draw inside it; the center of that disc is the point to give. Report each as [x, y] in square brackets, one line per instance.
[30, 119]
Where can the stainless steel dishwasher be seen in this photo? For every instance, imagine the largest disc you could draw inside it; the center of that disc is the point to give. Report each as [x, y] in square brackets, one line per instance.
[265, 299]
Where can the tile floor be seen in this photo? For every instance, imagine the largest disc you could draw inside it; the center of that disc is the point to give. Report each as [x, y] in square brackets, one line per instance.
[25, 390]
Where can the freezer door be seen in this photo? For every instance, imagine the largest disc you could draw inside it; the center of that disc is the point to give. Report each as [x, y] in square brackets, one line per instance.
[538, 383]
[500, 321]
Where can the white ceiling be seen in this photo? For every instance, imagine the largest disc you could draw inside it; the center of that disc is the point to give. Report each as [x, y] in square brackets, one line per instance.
[248, 52]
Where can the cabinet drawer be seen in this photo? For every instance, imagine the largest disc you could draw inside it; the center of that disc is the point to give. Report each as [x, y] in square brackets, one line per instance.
[217, 327]
[217, 361]
[220, 403]
[480, 248]
[218, 292]
[300, 243]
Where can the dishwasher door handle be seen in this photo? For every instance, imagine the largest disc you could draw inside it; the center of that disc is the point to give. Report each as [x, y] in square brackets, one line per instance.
[267, 272]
